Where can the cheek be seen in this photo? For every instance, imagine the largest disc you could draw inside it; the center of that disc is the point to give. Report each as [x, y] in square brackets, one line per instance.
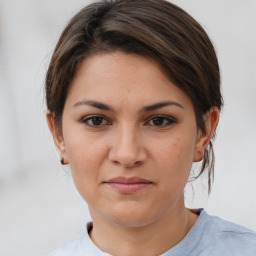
[174, 159]
[177, 152]
[86, 157]
[183, 149]
[82, 149]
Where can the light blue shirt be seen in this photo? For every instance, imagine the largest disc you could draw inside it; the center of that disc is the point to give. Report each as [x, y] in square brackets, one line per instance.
[210, 236]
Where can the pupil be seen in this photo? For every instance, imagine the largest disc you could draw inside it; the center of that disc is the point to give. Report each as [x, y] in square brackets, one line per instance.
[158, 121]
[97, 120]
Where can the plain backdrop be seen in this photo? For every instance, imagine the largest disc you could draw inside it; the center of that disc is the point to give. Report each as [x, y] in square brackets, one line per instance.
[39, 205]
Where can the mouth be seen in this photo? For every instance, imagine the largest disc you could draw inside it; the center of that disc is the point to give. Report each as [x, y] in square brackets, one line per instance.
[130, 185]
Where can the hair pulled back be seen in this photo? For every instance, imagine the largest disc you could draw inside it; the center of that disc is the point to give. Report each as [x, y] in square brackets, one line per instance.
[156, 29]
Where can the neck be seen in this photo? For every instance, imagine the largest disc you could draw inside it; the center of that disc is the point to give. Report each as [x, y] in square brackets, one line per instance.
[150, 239]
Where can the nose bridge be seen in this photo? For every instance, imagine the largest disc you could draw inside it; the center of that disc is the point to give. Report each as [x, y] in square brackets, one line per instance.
[127, 139]
[127, 147]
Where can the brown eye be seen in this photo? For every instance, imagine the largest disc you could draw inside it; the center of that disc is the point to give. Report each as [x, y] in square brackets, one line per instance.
[95, 121]
[158, 121]
[161, 121]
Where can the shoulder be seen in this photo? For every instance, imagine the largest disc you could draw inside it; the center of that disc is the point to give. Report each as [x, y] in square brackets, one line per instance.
[79, 246]
[69, 248]
[227, 227]
[228, 238]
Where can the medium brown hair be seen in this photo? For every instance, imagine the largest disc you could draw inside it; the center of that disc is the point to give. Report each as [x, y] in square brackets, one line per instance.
[156, 29]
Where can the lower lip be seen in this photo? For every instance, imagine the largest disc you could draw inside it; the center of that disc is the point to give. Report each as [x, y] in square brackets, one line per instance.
[128, 188]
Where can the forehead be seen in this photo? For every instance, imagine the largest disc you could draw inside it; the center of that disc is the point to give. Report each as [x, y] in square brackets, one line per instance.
[127, 78]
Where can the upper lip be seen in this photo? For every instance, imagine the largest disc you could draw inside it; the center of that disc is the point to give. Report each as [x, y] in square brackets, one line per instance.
[125, 180]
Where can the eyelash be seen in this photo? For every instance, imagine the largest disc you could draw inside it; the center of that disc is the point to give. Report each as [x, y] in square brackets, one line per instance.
[165, 119]
[168, 120]
[90, 118]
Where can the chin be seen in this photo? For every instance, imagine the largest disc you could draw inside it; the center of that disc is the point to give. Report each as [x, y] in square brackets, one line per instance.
[131, 222]
[129, 217]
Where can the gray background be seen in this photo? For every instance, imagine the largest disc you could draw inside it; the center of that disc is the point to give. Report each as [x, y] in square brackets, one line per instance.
[39, 206]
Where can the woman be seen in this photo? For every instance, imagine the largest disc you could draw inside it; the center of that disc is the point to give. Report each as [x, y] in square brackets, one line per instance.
[133, 98]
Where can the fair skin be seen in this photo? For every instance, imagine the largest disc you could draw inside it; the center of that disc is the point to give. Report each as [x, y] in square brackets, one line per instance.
[123, 118]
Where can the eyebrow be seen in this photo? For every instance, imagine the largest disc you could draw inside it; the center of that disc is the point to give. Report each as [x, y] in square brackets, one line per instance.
[94, 104]
[106, 107]
[161, 105]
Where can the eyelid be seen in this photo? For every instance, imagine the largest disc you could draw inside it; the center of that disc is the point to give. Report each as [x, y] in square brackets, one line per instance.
[171, 120]
[89, 117]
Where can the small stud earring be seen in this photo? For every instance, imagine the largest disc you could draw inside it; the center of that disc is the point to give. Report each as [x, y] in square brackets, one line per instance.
[63, 162]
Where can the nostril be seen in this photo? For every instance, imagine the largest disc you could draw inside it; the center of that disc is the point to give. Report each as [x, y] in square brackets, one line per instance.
[116, 162]
[138, 163]
[127, 153]
[128, 165]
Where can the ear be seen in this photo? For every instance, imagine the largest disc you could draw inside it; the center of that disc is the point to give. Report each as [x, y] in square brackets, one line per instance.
[211, 118]
[58, 140]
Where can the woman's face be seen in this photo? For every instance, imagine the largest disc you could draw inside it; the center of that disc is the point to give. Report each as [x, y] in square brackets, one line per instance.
[130, 137]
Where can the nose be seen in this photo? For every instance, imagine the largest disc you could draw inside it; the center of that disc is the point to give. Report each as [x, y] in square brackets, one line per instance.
[127, 148]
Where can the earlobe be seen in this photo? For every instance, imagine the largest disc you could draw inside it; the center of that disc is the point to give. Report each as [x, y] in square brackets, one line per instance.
[58, 140]
[211, 118]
